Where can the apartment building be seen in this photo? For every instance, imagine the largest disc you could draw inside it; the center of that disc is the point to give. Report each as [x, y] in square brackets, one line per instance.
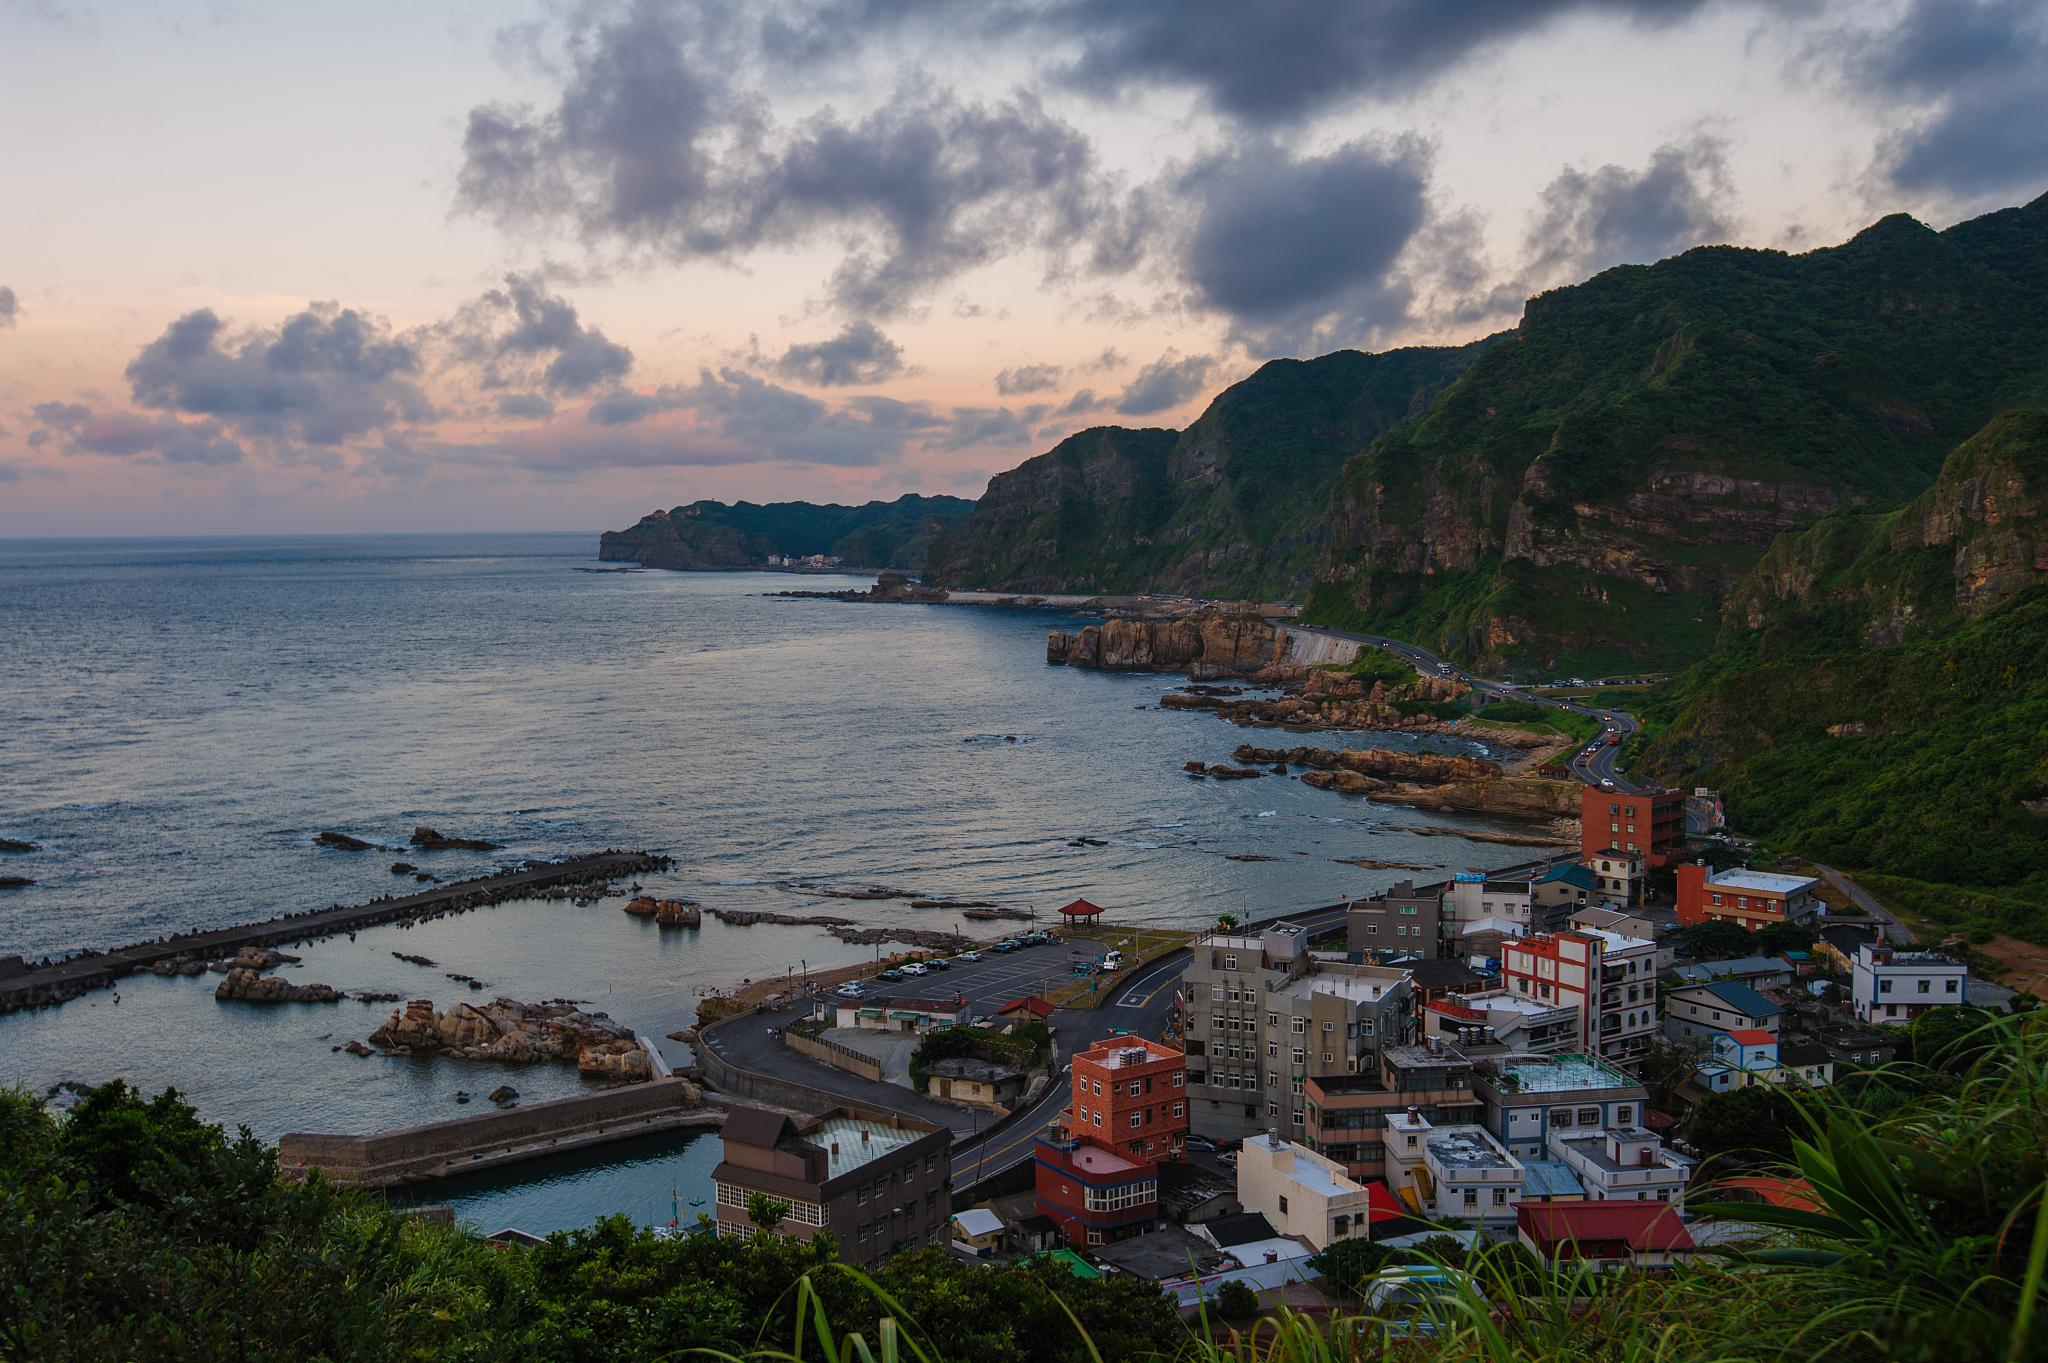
[1130, 1095]
[879, 1182]
[1888, 986]
[1610, 979]
[1346, 1114]
[1619, 877]
[1452, 1171]
[1650, 825]
[1301, 1193]
[1749, 899]
[1094, 1195]
[1404, 919]
[1622, 1164]
[1264, 1016]
[1699, 1012]
[1498, 1021]
[1525, 1100]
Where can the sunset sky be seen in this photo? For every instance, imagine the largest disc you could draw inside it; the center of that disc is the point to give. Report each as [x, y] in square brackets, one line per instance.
[416, 266]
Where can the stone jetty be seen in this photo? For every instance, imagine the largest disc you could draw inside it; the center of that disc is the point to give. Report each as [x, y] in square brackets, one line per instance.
[26, 985]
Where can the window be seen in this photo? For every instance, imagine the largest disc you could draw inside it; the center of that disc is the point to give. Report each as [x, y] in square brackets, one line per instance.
[1500, 1197]
[1122, 1196]
[1215, 1024]
[1561, 1117]
[1297, 1116]
[1951, 987]
[1926, 986]
[1297, 1055]
[1216, 993]
[1137, 1120]
[1135, 1090]
[1471, 1198]
[1230, 962]
[1098, 1119]
[1272, 1019]
[1883, 987]
[1095, 1237]
[1328, 1059]
[1329, 1026]
[1272, 1048]
[1372, 929]
[860, 1196]
[1180, 1109]
[1179, 1078]
[1589, 1116]
[1407, 909]
[1272, 1109]
[1624, 1114]
[1298, 1025]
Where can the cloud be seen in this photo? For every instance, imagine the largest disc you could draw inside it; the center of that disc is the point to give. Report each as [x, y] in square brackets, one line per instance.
[1587, 220]
[656, 144]
[1167, 382]
[86, 430]
[10, 309]
[1280, 61]
[1084, 400]
[859, 354]
[1979, 69]
[323, 376]
[977, 427]
[524, 405]
[1299, 252]
[522, 335]
[1028, 378]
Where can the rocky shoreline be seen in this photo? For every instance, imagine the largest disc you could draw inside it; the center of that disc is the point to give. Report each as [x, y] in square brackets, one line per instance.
[511, 1032]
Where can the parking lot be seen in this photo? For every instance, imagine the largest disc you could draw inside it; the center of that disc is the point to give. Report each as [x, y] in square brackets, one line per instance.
[996, 979]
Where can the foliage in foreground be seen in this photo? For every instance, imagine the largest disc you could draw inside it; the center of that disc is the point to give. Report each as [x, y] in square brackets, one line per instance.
[128, 1229]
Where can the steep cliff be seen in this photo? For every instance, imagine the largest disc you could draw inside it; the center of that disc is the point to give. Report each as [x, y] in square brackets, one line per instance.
[1211, 642]
[1877, 698]
[1234, 506]
[1588, 493]
[706, 535]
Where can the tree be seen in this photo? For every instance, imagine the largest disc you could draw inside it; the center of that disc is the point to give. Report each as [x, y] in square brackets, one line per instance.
[767, 1213]
[1235, 1301]
[1348, 1263]
[1228, 922]
[1951, 1039]
[1715, 940]
[1777, 938]
[1753, 1124]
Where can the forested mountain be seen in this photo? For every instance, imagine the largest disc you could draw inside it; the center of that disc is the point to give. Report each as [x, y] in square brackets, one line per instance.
[713, 535]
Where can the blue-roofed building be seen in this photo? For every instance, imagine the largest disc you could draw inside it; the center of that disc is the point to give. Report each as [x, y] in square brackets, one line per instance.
[1758, 972]
[1700, 1012]
[1550, 1180]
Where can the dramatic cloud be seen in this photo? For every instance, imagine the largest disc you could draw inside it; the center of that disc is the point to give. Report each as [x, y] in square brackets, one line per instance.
[1167, 382]
[84, 430]
[524, 406]
[657, 144]
[1083, 400]
[1300, 252]
[522, 335]
[1028, 378]
[324, 376]
[9, 308]
[745, 418]
[1282, 60]
[1980, 69]
[859, 354]
[1590, 220]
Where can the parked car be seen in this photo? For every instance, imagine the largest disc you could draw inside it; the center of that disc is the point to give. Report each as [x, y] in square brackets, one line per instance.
[1033, 939]
[849, 990]
[968, 956]
[1228, 1159]
[915, 968]
[890, 974]
[939, 963]
[1007, 944]
[1200, 1142]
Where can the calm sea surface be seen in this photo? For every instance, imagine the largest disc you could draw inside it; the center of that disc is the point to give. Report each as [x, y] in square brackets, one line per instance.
[178, 719]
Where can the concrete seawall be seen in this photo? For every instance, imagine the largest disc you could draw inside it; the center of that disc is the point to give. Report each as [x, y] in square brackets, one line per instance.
[1306, 648]
[417, 1154]
[62, 980]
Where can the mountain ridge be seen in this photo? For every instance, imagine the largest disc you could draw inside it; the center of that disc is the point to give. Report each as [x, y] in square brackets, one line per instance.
[710, 535]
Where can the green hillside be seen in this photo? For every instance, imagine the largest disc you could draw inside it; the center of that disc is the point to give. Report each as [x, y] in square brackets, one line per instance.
[707, 535]
[1878, 699]
[1235, 505]
[1589, 492]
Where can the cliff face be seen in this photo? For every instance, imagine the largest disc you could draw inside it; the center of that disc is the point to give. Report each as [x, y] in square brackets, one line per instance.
[1593, 488]
[1234, 506]
[1213, 643]
[712, 535]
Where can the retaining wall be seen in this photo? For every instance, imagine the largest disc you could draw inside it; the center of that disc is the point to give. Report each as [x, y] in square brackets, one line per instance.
[837, 1056]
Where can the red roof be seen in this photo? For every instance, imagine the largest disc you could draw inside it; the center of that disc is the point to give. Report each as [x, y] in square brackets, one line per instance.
[1796, 1193]
[1753, 1036]
[1081, 908]
[1642, 1226]
[1030, 1003]
[1381, 1204]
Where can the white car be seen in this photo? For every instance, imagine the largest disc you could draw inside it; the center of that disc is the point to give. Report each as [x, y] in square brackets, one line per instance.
[915, 968]
[849, 991]
[968, 956]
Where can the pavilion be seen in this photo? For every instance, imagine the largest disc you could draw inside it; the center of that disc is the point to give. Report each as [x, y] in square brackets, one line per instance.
[1079, 912]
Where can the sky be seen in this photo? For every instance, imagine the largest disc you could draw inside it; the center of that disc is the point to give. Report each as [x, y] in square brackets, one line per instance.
[414, 266]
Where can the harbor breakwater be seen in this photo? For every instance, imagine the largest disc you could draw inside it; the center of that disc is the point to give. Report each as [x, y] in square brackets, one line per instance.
[24, 985]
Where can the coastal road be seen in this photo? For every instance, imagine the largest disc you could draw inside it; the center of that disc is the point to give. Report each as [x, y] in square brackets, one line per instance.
[1895, 932]
[1595, 765]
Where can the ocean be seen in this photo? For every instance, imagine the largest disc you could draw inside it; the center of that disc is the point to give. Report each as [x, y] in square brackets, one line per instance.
[179, 719]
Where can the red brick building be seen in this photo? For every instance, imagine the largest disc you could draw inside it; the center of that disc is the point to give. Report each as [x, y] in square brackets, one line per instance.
[1652, 825]
[1748, 899]
[1097, 1174]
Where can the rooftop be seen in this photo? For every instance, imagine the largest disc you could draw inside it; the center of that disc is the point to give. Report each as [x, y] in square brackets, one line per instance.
[977, 1221]
[1759, 880]
[1732, 994]
[1639, 1225]
[1302, 1165]
[1118, 1051]
[1615, 943]
[1243, 1228]
[1550, 1178]
[1422, 1057]
[854, 1141]
[1723, 970]
[1751, 1036]
[1159, 1255]
[1090, 1158]
[963, 1067]
[1564, 1074]
[1592, 1148]
[1468, 1147]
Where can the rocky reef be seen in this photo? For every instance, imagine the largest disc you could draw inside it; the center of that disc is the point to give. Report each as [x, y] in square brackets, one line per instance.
[1442, 781]
[1326, 700]
[431, 840]
[668, 913]
[242, 985]
[512, 1032]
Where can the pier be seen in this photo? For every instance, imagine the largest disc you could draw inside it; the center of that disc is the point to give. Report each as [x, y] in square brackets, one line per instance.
[25, 986]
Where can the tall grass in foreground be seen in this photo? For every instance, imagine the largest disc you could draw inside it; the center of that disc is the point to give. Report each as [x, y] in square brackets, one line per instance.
[1929, 1245]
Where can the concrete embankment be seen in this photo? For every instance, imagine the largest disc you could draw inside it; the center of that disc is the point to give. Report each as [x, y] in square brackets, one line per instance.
[417, 1154]
[1311, 648]
[28, 987]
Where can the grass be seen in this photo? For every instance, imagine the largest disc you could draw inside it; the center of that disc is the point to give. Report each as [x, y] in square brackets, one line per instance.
[1140, 946]
[1540, 718]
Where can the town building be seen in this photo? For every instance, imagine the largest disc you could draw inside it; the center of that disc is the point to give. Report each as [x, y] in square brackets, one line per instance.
[1093, 1194]
[1603, 1235]
[1619, 877]
[980, 1231]
[872, 1014]
[978, 1083]
[1887, 985]
[1749, 899]
[1839, 942]
[1650, 825]
[878, 1182]
[1527, 1099]
[1494, 1020]
[1610, 979]
[1097, 1171]
[1698, 1012]
[1758, 972]
[1404, 919]
[1549, 1180]
[1622, 1164]
[1747, 1056]
[1300, 1192]
[1452, 1171]
[1346, 1113]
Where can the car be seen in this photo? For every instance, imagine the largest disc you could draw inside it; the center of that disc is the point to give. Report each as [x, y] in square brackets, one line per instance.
[915, 968]
[1008, 944]
[1606, 783]
[939, 963]
[1084, 967]
[1035, 939]
[1200, 1142]
[849, 990]
[890, 974]
[1228, 1159]
[968, 956]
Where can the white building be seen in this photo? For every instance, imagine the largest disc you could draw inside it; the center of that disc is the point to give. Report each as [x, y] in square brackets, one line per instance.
[1623, 1164]
[1486, 1018]
[1527, 1100]
[1611, 979]
[1299, 1192]
[1888, 985]
[1452, 1171]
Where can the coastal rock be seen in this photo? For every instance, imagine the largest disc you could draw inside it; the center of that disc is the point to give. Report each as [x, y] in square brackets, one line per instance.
[678, 913]
[403, 868]
[461, 1095]
[642, 906]
[261, 958]
[1386, 764]
[343, 842]
[1216, 643]
[15, 882]
[358, 1048]
[246, 986]
[179, 965]
[615, 1060]
[507, 1030]
[17, 845]
[433, 841]
[504, 1093]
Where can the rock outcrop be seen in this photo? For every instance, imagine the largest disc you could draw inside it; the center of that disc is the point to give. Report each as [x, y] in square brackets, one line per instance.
[246, 986]
[1218, 644]
[430, 840]
[16, 845]
[1384, 764]
[515, 1033]
[344, 842]
[1327, 701]
[713, 535]
[669, 913]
